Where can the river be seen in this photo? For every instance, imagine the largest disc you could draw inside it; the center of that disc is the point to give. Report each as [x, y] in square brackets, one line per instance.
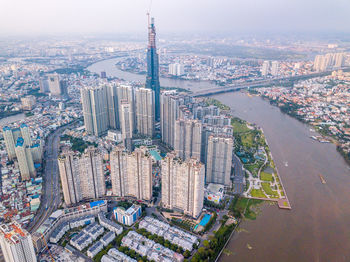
[11, 119]
[317, 228]
[109, 67]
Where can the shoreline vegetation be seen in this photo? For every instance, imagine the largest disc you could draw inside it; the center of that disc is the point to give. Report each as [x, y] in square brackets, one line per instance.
[252, 149]
[291, 108]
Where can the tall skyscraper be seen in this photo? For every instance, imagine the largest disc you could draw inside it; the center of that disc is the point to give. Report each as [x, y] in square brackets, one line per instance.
[126, 123]
[16, 243]
[44, 85]
[176, 69]
[56, 87]
[11, 136]
[82, 176]
[188, 136]
[216, 130]
[25, 159]
[152, 79]
[113, 107]
[94, 100]
[265, 69]
[318, 63]
[26, 134]
[92, 178]
[169, 111]
[126, 94]
[219, 160]
[131, 173]
[339, 60]
[68, 165]
[183, 185]
[28, 102]
[9, 142]
[274, 68]
[329, 61]
[145, 111]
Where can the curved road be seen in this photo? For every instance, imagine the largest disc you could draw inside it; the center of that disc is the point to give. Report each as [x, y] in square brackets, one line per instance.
[51, 198]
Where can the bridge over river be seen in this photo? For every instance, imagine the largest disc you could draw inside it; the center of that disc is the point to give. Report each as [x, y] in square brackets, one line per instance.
[261, 83]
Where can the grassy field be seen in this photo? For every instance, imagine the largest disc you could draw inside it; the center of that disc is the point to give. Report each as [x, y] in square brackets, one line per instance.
[266, 176]
[246, 204]
[239, 126]
[257, 193]
[267, 188]
[247, 139]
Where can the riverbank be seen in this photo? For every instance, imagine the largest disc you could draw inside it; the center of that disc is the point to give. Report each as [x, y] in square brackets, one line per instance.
[325, 133]
[263, 182]
[319, 221]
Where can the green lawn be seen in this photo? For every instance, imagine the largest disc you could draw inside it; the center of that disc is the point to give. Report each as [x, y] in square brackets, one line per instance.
[267, 188]
[257, 193]
[247, 140]
[239, 127]
[241, 204]
[266, 176]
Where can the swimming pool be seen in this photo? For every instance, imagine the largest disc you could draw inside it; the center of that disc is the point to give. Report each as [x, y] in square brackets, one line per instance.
[205, 220]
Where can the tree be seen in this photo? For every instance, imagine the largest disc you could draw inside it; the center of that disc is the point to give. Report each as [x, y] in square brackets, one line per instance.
[187, 254]
[206, 243]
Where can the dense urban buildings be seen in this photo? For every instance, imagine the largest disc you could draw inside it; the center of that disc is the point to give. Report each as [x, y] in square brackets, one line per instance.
[131, 173]
[329, 61]
[188, 136]
[16, 243]
[183, 184]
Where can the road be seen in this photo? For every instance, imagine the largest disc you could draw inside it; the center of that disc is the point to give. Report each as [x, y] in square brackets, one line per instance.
[261, 83]
[238, 179]
[51, 198]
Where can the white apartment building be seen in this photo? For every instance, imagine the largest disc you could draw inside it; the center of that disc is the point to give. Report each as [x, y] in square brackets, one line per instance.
[183, 184]
[131, 173]
[16, 243]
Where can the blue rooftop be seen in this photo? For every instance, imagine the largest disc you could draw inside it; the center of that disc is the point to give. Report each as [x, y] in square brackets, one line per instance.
[6, 128]
[97, 203]
[20, 141]
[24, 125]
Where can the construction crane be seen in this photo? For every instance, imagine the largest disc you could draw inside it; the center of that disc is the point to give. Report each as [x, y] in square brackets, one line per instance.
[48, 250]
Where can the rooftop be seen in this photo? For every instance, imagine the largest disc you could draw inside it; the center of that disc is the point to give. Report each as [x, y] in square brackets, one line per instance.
[12, 232]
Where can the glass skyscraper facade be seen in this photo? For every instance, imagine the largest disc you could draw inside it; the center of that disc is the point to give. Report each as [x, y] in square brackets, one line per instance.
[152, 80]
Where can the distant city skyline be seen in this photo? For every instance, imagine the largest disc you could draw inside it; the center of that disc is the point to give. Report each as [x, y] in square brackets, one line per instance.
[19, 17]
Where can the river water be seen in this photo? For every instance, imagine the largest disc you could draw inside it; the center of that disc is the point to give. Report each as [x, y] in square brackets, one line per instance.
[318, 226]
[11, 119]
[109, 67]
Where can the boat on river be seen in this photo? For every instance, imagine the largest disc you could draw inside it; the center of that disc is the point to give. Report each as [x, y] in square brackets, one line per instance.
[322, 179]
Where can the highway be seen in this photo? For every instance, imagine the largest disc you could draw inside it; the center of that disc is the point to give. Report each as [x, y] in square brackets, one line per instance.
[261, 83]
[51, 198]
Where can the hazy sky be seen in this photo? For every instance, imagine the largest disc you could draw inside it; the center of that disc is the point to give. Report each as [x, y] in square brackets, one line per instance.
[114, 16]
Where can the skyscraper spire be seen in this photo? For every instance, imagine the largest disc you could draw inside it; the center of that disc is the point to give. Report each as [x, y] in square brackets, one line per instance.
[152, 80]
